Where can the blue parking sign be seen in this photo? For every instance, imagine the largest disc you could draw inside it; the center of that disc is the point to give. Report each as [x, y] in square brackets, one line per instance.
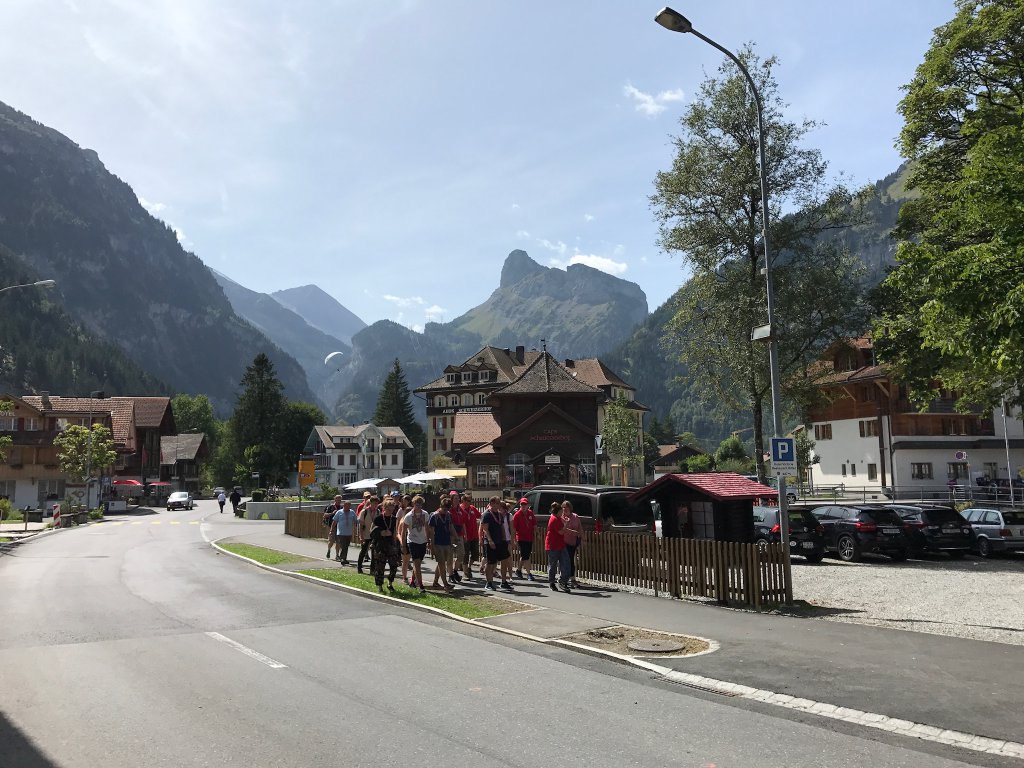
[783, 455]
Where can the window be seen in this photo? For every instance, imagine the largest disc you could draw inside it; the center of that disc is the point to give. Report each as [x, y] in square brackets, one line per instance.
[352, 460]
[487, 476]
[991, 469]
[467, 377]
[439, 401]
[921, 471]
[371, 462]
[467, 399]
[484, 376]
[822, 431]
[872, 472]
[7, 488]
[844, 469]
[32, 424]
[8, 424]
[853, 469]
[453, 400]
[517, 471]
[481, 398]
[868, 428]
[394, 459]
[957, 470]
[451, 378]
[702, 516]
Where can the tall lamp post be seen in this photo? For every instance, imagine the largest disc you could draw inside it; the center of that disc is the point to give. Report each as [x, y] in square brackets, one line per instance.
[676, 22]
[36, 284]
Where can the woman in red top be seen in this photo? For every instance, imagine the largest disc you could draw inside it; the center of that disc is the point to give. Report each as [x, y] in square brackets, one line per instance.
[572, 535]
[554, 543]
[524, 521]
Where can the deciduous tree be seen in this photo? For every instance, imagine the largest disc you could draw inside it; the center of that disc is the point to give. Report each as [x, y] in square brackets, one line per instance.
[621, 435]
[952, 311]
[708, 207]
[83, 452]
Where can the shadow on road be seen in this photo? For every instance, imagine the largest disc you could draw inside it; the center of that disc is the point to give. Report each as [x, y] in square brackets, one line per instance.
[18, 750]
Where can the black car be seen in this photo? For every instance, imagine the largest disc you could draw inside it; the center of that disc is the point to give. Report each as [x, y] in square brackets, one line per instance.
[935, 529]
[852, 530]
[595, 502]
[806, 534]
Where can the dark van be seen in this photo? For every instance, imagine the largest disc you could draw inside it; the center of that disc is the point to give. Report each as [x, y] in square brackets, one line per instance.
[590, 502]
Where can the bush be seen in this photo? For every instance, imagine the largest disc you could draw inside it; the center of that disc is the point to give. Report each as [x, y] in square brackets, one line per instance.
[259, 494]
[96, 514]
[7, 512]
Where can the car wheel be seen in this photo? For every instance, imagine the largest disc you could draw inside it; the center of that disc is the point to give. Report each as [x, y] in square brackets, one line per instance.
[898, 557]
[984, 548]
[814, 557]
[956, 554]
[849, 549]
[762, 544]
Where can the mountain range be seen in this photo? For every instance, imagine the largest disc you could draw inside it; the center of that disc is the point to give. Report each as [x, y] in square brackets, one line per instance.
[147, 317]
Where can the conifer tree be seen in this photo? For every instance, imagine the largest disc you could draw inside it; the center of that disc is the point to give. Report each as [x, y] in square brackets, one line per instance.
[257, 421]
[394, 409]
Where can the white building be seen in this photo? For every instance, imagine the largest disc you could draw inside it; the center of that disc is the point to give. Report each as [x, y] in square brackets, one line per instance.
[869, 435]
[344, 455]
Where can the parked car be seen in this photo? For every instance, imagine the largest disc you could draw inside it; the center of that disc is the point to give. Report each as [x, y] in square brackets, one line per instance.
[180, 500]
[996, 529]
[217, 491]
[792, 494]
[590, 502]
[934, 529]
[852, 530]
[806, 533]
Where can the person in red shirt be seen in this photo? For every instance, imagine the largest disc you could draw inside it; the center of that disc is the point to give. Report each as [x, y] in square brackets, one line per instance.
[524, 521]
[471, 519]
[554, 543]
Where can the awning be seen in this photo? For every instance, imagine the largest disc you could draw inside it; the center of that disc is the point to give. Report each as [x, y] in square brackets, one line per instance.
[124, 481]
[453, 472]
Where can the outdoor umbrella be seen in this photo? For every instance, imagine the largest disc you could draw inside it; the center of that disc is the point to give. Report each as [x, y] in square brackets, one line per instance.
[370, 482]
[124, 481]
[410, 480]
[430, 477]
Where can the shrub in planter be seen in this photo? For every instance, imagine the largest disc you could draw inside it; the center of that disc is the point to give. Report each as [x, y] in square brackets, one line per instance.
[259, 494]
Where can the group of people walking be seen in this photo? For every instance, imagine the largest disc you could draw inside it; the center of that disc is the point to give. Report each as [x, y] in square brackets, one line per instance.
[397, 530]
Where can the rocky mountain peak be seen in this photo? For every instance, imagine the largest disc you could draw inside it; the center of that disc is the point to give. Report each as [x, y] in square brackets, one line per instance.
[518, 266]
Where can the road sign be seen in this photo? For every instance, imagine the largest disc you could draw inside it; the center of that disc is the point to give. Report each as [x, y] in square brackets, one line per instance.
[598, 442]
[783, 456]
[307, 472]
[960, 455]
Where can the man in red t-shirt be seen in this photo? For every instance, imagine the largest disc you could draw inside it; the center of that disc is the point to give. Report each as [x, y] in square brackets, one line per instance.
[471, 547]
[524, 521]
[554, 543]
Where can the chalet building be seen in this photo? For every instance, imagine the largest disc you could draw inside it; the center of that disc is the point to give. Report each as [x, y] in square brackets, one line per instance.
[345, 455]
[518, 419]
[181, 460]
[868, 434]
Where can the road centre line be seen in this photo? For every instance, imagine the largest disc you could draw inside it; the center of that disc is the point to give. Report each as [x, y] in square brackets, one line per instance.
[247, 651]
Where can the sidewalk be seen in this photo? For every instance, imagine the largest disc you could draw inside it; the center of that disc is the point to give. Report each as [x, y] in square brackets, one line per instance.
[20, 530]
[964, 685]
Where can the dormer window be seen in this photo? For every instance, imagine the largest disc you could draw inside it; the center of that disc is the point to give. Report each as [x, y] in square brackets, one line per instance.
[467, 377]
[451, 378]
[485, 375]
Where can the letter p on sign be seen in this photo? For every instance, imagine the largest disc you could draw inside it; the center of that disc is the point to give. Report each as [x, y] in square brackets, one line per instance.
[784, 455]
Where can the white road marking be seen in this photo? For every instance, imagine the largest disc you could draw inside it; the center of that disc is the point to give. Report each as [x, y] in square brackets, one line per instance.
[247, 651]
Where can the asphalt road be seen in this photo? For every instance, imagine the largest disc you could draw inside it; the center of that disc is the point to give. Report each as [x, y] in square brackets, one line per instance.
[138, 645]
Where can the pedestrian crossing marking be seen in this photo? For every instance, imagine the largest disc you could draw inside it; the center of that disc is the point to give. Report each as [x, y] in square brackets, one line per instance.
[154, 522]
[175, 522]
[193, 522]
[136, 522]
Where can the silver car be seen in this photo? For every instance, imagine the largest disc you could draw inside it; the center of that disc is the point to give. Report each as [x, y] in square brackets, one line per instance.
[996, 529]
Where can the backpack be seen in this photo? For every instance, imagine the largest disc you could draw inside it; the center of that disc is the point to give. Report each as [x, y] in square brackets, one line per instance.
[328, 516]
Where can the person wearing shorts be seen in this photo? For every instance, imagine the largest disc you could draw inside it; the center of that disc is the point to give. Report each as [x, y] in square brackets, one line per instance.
[413, 532]
[441, 535]
[458, 538]
[495, 545]
[524, 521]
[471, 544]
[404, 508]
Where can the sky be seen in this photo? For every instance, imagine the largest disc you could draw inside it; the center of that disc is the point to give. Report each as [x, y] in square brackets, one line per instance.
[394, 153]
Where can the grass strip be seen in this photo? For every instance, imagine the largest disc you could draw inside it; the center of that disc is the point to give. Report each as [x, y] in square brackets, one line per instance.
[263, 555]
[465, 605]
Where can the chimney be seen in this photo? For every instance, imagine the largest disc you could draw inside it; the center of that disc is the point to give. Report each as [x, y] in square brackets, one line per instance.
[521, 354]
[45, 396]
[570, 363]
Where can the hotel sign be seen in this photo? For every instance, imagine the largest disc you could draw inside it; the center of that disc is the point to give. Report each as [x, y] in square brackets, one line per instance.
[467, 409]
[550, 436]
[552, 458]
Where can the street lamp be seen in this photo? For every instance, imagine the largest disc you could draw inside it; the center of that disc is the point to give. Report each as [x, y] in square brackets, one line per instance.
[676, 22]
[36, 284]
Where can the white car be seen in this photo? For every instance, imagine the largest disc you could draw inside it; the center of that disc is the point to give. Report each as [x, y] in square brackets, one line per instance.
[180, 500]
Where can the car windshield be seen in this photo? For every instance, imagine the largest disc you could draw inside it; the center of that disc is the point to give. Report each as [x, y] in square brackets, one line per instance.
[1013, 516]
[938, 516]
[179, 495]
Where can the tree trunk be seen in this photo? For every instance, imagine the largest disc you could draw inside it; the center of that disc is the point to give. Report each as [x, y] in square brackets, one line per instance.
[757, 407]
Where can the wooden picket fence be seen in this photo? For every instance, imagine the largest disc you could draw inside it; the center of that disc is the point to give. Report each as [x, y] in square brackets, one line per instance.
[727, 571]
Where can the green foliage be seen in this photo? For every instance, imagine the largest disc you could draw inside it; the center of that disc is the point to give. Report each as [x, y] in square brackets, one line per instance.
[326, 491]
[194, 413]
[5, 440]
[709, 210]
[440, 461]
[621, 434]
[297, 422]
[701, 462]
[259, 494]
[651, 453]
[742, 466]
[83, 453]
[730, 448]
[951, 311]
[663, 431]
[689, 440]
[257, 422]
[394, 409]
[96, 514]
[5, 510]
[805, 457]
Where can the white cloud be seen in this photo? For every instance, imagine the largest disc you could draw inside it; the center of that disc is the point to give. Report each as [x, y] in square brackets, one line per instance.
[418, 327]
[435, 313]
[522, 234]
[404, 301]
[602, 263]
[515, 206]
[178, 233]
[588, 217]
[649, 104]
[153, 208]
[560, 248]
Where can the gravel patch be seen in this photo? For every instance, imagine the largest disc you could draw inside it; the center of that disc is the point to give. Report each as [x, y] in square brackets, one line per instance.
[971, 598]
[617, 639]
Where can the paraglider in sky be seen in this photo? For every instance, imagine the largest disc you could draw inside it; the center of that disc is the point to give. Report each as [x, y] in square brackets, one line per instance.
[332, 356]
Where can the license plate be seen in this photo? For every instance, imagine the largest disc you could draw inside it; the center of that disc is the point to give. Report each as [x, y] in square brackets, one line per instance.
[807, 544]
[890, 531]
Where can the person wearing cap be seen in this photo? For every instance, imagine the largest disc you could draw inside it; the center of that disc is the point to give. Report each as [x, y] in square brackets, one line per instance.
[524, 521]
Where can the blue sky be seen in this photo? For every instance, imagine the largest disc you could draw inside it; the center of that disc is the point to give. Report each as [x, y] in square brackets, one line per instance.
[395, 152]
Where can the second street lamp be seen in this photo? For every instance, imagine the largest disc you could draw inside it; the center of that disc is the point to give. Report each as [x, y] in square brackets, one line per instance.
[36, 284]
[676, 22]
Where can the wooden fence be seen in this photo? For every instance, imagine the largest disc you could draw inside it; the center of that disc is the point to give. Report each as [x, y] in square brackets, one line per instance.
[727, 571]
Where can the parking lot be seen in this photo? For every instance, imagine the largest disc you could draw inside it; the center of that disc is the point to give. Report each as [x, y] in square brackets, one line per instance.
[972, 598]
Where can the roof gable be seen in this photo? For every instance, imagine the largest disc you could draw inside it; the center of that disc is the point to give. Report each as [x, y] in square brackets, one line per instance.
[546, 376]
[720, 486]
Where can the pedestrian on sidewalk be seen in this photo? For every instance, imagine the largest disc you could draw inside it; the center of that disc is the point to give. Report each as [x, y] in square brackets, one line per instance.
[413, 531]
[524, 521]
[441, 536]
[367, 515]
[332, 534]
[384, 542]
[404, 507]
[459, 536]
[471, 518]
[554, 545]
[235, 498]
[508, 536]
[493, 540]
[572, 534]
[221, 501]
[344, 524]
